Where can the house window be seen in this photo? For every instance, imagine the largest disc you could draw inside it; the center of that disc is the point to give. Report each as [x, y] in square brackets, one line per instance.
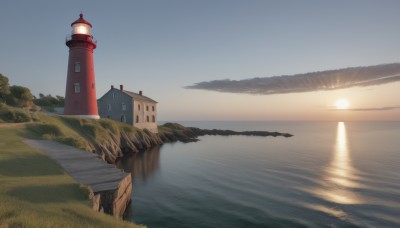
[77, 67]
[153, 108]
[77, 88]
[123, 119]
[147, 108]
[113, 95]
[109, 107]
[137, 119]
[139, 107]
[123, 107]
[154, 119]
[147, 119]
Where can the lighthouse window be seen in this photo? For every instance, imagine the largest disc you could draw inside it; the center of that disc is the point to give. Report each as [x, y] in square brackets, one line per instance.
[123, 107]
[77, 67]
[77, 88]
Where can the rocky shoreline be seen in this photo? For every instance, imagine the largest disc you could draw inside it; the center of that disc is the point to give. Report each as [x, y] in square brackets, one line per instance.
[133, 142]
[201, 132]
[190, 134]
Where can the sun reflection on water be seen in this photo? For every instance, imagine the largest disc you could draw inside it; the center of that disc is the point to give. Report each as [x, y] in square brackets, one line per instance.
[340, 178]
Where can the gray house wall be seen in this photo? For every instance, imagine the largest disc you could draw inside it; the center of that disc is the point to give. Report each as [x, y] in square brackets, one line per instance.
[115, 99]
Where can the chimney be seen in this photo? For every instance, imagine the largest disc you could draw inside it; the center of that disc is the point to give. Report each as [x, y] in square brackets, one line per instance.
[121, 87]
[112, 87]
[140, 93]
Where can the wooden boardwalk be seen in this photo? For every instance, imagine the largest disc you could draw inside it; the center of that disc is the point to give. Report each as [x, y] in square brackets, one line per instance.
[86, 168]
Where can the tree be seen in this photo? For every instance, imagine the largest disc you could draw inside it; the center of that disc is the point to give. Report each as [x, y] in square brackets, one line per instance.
[19, 96]
[61, 101]
[4, 87]
[49, 101]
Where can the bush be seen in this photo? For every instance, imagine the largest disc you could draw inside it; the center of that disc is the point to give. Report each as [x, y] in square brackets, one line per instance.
[3, 106]
[77, 143]
[20, 116]
[49, 101]
[90, 129]
[19, 96]
[128, 129]
[45, 129]
[4, 87]
[13, 115]
[108, 124]
[35, 117]
[72, 121]
[7, 115]
[173, 126]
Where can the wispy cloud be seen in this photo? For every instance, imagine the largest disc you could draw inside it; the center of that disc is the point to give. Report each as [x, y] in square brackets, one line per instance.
[368, 109]
[315, 81]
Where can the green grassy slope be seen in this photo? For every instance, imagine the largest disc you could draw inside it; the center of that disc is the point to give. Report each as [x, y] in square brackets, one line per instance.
[35, 191]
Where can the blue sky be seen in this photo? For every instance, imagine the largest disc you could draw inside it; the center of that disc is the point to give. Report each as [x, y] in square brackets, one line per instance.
[161, 46]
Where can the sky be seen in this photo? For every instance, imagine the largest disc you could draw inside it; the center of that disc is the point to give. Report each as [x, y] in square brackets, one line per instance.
[164, 47]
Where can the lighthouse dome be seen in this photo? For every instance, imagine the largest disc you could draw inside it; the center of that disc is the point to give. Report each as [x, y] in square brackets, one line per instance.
[81, 26]
[81, 20]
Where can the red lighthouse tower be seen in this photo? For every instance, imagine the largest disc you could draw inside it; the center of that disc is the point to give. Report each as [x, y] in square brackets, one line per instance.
[80, 93]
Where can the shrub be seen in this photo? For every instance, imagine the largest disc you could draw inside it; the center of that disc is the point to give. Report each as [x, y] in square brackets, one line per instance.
[21, 116]
[174, 126]
[3, 106]
[7, 115]
[19, 96]
[77, 143]
[90, 129]
[49, 101]
[72, 121]
[4, 87]
[128, 129]
[35, 117]
[13, 115]
[108, 124]
[45, 129]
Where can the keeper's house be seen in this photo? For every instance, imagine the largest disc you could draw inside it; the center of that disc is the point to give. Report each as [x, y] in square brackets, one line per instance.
[128, 107]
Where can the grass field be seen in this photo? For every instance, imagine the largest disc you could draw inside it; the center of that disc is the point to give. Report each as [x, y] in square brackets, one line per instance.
[35, 191]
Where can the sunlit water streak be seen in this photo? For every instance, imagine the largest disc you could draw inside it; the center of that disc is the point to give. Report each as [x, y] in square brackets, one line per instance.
[339, 181]
[340, 177]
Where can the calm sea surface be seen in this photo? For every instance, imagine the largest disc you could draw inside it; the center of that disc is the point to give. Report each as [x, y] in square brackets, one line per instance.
[329, 174]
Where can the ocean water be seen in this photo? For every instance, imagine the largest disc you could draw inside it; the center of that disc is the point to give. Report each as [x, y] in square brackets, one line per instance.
[330, 174]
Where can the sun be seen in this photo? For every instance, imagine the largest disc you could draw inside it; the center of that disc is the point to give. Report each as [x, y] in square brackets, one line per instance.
[342, 104]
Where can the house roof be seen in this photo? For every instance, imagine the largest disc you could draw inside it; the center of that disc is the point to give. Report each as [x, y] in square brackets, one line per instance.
[137, 96]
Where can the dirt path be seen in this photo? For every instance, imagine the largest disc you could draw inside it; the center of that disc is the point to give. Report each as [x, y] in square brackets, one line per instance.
[12, 125]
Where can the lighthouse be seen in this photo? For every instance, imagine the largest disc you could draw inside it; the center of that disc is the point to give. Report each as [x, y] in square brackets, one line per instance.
[80, 93]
